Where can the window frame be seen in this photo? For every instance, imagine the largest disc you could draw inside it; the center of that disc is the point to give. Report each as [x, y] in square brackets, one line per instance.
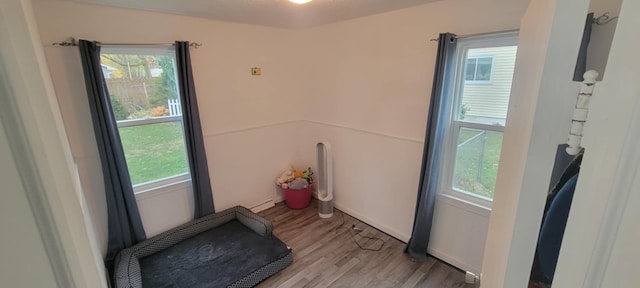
[454, 125]
[475, 81]
[155, 50]
[160, 182]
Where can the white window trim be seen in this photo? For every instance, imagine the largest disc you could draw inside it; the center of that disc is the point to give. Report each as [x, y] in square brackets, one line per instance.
[480, 82]
[450, 165]
[445, 185]
[149, 120]
[162, 183]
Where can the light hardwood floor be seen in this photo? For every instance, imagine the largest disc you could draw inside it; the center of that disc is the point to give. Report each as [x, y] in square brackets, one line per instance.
[326, 256]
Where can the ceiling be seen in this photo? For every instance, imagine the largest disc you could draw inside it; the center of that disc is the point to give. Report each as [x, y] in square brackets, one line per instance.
[274, 13]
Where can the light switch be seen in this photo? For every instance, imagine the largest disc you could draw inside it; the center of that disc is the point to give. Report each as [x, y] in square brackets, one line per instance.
[256, 71]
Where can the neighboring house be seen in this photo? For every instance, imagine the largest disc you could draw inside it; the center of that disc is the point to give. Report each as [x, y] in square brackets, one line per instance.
[487, 83]
[156, 72]
[106, 69]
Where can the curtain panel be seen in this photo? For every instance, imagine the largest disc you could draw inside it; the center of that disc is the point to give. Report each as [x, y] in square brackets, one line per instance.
[124, 224]
[202, 194]
[437, 119]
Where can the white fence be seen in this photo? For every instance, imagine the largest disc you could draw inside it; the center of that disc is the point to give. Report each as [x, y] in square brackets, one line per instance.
[174, 107]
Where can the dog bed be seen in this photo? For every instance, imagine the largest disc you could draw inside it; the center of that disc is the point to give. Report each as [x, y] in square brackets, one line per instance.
[232, 248]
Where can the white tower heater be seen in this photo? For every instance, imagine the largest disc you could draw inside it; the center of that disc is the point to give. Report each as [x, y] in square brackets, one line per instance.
[325, 180]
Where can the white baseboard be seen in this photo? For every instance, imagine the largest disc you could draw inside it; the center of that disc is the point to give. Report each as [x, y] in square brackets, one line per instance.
[262, 206]
[453, 261]
[382, 227]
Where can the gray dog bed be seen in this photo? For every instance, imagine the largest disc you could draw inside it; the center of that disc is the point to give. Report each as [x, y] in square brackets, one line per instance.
[233, 248]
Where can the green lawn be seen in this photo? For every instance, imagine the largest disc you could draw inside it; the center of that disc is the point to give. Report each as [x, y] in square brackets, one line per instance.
[475, 169]
[154, 151]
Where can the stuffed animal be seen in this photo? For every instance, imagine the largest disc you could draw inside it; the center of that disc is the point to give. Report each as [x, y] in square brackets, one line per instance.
[307, 175]
[298, 184]
[286, 177]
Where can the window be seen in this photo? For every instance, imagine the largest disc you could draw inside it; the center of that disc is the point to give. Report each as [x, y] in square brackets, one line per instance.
[144, 97]
[474, 135]
[479, 69]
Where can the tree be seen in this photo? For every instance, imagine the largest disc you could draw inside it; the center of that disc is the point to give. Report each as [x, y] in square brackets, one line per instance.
[119, 111]
[165, 86]
[128, 66]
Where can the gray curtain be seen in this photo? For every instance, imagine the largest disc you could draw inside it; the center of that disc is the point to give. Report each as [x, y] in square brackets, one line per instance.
[202, 194]
[581, 63]
[437, 119]
[124, 223]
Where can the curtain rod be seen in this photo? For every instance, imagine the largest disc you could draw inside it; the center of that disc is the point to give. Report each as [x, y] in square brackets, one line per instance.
[604, 19]
[478, 34]
[72, 42]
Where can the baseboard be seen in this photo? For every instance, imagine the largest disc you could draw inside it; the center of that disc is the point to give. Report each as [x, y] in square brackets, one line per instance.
[262, 206]
[382, 227]
[453, 261]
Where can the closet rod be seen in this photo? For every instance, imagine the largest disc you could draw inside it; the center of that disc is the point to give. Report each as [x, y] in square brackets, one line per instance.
[72, 42]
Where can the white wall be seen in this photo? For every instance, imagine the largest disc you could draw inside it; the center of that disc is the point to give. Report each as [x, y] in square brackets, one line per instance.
[368, 84]
[40, 152]
[375, 73]
[600, 247]
[25, 261]
[625, 252]
[246, 119]
[371, 174]
[540, 109]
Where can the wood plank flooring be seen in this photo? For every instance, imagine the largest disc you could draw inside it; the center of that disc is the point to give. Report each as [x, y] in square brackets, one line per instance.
[326, 256]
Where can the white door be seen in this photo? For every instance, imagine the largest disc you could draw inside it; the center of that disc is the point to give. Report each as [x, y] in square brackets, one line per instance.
[484, 72]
